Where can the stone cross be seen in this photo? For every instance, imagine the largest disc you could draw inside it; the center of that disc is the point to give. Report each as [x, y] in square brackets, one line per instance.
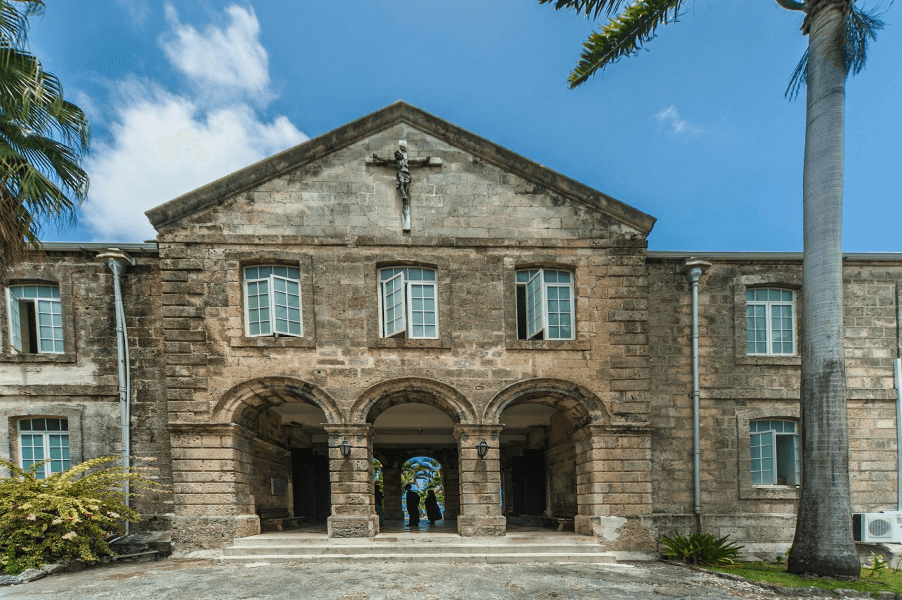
[401, 162]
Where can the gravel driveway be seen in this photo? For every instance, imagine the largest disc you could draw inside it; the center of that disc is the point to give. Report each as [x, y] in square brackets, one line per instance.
[204, 580]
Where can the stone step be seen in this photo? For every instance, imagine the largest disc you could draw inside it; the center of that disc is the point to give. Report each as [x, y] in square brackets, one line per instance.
[484, 557]
[408, 549]
[419, 541]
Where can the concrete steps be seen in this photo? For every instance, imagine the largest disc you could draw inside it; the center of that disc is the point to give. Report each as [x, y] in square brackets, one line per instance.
[453, 550]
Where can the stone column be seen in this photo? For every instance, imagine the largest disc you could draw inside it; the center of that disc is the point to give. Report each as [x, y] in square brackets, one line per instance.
[480, 481]
[451, 483]
[613, 485]
[353, 503]
[212, 503]
[391, 478]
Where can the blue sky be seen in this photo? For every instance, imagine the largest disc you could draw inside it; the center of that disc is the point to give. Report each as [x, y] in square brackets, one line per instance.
[695, 131]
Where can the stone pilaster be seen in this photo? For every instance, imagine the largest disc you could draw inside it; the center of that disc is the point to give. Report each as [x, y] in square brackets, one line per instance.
[480, 481]
[451, 483]
[211, 467]
[391, 478]
[613, 485]
[353, 503]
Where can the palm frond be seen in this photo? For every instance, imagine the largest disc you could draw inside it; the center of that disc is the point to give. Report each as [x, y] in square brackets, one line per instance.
[14, 20]
[623, 36]
[590, 8]
[859, 30]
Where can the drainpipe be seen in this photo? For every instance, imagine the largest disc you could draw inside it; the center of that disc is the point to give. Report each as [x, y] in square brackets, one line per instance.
[117, 261]
[692, 269]
[897, 376]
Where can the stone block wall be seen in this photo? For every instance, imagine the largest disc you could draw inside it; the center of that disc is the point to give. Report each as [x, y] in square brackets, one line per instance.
[736, 388]
[560, 463]
[81, 384]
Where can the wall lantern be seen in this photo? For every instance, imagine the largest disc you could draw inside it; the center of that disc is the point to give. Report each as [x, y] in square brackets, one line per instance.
[345, 448]
[482, 448]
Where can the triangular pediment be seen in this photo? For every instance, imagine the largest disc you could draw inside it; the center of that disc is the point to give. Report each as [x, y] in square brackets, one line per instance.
[468, 174]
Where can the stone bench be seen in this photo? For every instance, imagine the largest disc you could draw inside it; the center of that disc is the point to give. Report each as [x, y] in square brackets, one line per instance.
[560, 522]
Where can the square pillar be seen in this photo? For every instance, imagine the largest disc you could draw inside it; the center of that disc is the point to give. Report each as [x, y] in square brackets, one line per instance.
[353, 500]
[212, 503]
[480, 481]
[391, 479]
[451, 484]
[613, 485]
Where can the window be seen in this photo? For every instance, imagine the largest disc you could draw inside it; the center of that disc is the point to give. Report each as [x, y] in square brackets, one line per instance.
[769, 317]
[774, 453]
[42, 439]
[35, 319]
[545, 305]
[408, 303]
[273, 301]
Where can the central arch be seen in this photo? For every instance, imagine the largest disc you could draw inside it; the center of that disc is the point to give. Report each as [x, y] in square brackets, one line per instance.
[379, 398]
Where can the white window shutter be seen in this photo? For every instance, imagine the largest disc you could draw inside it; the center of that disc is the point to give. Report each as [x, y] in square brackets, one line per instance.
[15, 321]
[394, 306]
[535, 305]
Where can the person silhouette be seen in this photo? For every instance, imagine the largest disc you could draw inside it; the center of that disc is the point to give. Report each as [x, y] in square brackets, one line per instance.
[433, 512]
[413, 505]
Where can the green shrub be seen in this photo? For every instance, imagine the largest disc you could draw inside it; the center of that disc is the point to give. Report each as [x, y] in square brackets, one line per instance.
[65, 516]
[700, 549]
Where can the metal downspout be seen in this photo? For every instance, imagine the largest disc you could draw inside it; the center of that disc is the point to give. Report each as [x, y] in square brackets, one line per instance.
[897, 376]
[692, 269]
[117, 261]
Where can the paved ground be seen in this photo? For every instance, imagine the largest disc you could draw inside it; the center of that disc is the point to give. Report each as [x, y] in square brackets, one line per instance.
[203, 580]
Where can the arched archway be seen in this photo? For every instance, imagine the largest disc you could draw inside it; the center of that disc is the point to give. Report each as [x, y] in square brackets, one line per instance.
[246, 401]
[414, 417]
[539, 419]
[379, 398]
[263, 457]
[577, 402]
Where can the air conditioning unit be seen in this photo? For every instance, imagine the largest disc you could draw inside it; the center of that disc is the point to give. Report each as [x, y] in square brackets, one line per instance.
[877, 527]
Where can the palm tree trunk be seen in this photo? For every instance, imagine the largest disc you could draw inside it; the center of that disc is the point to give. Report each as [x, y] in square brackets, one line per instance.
[823, 541]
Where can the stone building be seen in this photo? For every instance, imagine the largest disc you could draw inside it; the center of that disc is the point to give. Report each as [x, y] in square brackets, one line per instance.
[401, 287]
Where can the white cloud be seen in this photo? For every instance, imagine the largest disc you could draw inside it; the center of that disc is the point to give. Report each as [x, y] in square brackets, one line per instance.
[670, 118]
[230, 58]
[164, 144]
[137, 10]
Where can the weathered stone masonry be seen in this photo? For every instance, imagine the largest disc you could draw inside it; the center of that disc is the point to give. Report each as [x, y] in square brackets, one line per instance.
[222, 411]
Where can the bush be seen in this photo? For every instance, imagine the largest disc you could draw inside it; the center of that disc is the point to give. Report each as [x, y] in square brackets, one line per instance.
[66, 516]
[700, 549]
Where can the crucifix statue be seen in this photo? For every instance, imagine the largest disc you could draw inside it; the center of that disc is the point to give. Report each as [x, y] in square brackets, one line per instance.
[401, 161]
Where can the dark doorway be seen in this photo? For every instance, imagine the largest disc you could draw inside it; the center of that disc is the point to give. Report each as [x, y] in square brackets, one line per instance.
[528, 473]
[312, 495]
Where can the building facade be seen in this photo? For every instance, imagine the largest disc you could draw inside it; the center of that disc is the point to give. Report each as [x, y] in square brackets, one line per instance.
[401, 287]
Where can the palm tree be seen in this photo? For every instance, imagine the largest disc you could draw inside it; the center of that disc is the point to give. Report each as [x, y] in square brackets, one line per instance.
[838, 35]
[42, 139]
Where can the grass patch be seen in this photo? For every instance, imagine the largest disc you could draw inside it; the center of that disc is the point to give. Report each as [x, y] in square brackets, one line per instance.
[880, 581]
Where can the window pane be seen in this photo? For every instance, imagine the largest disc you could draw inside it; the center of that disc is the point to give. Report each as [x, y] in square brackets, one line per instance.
[524, 276]
[422, 309]
[550, 276]
[25, 425]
